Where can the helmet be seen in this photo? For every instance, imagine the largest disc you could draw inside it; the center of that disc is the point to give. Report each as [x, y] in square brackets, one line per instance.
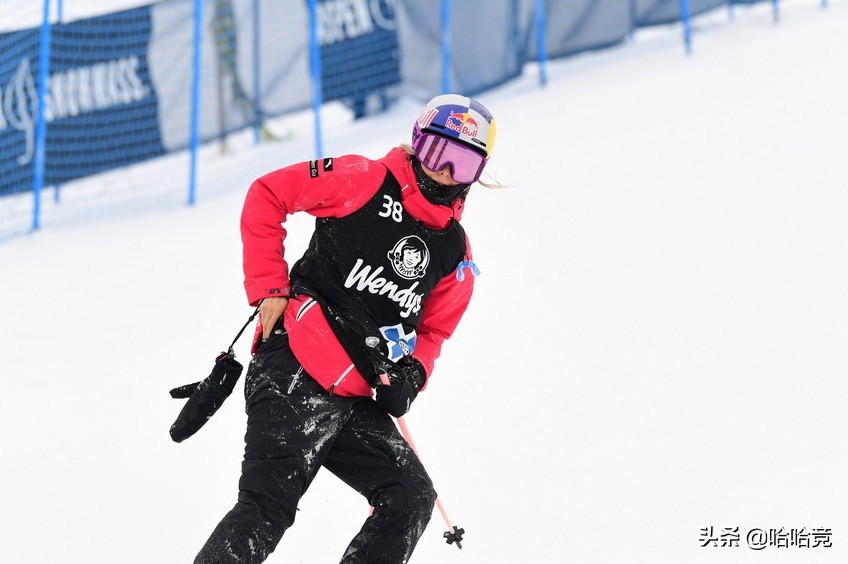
[458, 117]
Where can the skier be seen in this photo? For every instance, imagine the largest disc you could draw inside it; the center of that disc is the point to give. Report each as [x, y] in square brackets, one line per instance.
[388, 259]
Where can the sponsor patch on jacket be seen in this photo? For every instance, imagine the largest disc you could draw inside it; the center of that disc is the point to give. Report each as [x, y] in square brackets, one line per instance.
[327, 165]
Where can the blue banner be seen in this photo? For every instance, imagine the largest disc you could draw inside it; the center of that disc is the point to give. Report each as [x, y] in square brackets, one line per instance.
[18, 107]
[359, 48]
[101, 106]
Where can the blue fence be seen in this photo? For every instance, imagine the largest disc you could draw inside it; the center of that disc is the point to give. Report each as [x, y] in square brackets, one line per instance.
[83, 94]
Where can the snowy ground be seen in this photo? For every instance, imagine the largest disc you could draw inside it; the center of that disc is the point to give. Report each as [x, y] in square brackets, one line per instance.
[657, 343]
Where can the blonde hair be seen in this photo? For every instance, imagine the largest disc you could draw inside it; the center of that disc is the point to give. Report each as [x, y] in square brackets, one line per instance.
[494, 184]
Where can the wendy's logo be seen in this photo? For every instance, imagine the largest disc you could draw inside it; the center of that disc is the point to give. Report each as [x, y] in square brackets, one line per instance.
[410, 257]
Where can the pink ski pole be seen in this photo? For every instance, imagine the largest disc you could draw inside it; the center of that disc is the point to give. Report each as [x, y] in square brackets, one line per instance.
[453, 534]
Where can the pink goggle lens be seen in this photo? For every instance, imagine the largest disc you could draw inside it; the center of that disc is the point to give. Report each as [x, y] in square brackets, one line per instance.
[435, 151]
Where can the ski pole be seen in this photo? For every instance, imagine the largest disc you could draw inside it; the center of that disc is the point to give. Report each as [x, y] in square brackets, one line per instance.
[453, 534]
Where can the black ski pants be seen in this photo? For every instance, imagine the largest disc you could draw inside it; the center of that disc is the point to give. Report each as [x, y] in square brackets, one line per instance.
[294, 427]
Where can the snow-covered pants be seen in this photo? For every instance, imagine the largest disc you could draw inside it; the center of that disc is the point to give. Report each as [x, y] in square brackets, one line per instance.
[293, 428]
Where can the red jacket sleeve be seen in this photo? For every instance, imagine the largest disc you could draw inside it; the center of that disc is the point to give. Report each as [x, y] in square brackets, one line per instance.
[443, 309]
[323, 188]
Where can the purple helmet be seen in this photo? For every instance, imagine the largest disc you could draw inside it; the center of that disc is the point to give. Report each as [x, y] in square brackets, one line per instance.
[455, 131]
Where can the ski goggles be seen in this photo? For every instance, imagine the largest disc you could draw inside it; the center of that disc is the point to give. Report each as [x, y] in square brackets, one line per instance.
[435, 151]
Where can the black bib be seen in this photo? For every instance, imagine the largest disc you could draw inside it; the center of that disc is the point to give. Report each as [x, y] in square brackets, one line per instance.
[372, 270]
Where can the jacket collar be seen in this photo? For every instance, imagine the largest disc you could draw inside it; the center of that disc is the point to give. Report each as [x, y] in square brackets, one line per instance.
[433, 216]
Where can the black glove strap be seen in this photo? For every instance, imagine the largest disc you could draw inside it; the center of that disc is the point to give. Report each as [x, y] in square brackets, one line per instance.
[230, 351]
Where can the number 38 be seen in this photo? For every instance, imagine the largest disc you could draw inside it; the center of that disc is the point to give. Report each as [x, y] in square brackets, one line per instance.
[392, 208]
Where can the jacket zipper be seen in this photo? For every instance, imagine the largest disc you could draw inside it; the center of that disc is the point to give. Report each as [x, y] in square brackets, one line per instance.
[342, 377]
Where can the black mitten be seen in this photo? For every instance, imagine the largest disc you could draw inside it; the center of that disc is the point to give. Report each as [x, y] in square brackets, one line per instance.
[406, 378]
[205, 397]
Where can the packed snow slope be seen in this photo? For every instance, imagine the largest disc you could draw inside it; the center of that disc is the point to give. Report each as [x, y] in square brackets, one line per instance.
[656, 345]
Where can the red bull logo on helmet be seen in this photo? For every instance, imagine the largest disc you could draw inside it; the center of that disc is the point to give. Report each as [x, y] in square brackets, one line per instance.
[462, 123]
[463, 117]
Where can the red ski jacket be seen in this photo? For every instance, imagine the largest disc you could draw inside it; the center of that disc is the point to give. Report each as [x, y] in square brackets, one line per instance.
[336, 188]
